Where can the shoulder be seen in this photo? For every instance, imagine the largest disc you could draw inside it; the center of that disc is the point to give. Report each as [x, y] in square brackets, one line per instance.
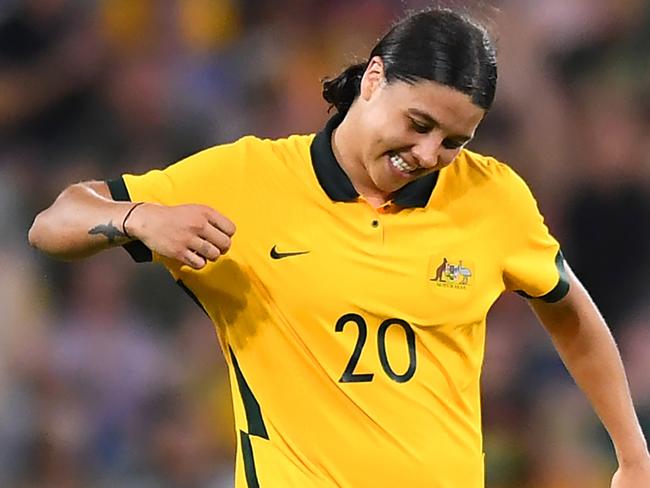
[482, 166]
[290, 147]
[487, 183]
[269, 164]
[478, 168]
[260, 145]
[257, 149]
[248, 153]
[288, 143]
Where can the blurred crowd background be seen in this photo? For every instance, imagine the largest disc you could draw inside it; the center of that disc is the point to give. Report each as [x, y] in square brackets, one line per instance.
[111, 377]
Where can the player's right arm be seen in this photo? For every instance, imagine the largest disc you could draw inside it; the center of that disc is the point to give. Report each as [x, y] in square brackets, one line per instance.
[85, 220]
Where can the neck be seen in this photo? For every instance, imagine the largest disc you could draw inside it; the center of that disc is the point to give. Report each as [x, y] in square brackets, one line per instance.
[345, 145]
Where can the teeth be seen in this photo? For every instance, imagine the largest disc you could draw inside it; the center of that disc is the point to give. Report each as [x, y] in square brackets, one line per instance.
[400, 164]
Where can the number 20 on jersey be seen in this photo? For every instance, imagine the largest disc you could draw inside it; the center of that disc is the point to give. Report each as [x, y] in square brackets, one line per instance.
[350, 376]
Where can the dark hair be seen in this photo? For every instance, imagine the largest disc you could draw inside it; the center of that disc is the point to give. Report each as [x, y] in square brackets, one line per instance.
[438, 45]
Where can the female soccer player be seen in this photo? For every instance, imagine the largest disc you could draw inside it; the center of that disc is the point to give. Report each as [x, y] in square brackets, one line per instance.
[351, 302]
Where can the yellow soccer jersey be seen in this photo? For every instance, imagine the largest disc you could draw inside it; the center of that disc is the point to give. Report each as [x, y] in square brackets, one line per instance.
[354, 336]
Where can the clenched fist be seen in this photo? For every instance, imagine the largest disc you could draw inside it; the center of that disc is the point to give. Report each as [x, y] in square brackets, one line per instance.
[191, 234]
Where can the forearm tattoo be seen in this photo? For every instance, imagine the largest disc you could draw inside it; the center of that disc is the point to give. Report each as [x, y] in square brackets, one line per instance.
[108, 230]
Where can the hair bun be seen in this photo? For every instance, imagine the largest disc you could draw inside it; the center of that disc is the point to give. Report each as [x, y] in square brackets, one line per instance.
[341, 91]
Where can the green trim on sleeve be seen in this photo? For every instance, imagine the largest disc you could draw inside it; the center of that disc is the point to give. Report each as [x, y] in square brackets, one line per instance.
[120, 193]
[560, 290]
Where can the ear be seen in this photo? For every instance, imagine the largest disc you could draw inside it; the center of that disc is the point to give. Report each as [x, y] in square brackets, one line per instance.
[373, 77]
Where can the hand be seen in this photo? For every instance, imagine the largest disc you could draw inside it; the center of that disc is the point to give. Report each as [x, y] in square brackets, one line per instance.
[632, 476]
[191, 234]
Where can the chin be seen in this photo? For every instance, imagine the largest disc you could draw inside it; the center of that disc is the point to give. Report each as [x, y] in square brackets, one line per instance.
[385, 182]
[390, 186]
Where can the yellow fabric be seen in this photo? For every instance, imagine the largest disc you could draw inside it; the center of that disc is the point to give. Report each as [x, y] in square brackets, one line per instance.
[293, 323]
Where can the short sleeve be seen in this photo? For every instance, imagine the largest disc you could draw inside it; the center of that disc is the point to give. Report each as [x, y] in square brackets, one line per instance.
[533, 265]
[213, 177]
[138, 251]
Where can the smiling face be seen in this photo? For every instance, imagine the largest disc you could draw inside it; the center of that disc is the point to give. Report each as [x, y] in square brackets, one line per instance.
[406, 131]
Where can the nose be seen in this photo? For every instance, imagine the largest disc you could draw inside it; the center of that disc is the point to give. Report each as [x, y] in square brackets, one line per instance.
[427, 150]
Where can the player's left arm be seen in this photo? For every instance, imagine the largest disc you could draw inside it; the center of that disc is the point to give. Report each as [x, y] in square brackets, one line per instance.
[589, 352]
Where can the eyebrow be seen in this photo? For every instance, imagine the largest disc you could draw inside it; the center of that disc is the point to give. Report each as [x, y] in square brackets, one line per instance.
[428, 119]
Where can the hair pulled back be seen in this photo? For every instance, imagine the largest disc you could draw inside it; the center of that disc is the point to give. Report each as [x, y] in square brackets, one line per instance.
[437, 45]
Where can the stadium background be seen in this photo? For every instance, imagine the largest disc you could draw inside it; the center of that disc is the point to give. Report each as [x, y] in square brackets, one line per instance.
[109, 376]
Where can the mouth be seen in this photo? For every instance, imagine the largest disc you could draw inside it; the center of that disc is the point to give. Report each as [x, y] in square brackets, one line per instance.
[399, 165]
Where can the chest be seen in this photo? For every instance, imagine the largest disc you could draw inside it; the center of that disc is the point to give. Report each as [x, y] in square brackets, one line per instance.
[419, 265]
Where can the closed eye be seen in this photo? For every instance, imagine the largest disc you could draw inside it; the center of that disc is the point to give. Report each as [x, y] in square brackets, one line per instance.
[450, 144]
[419, 127]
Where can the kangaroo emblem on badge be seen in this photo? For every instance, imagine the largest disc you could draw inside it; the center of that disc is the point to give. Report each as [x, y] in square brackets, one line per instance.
[451, 274]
